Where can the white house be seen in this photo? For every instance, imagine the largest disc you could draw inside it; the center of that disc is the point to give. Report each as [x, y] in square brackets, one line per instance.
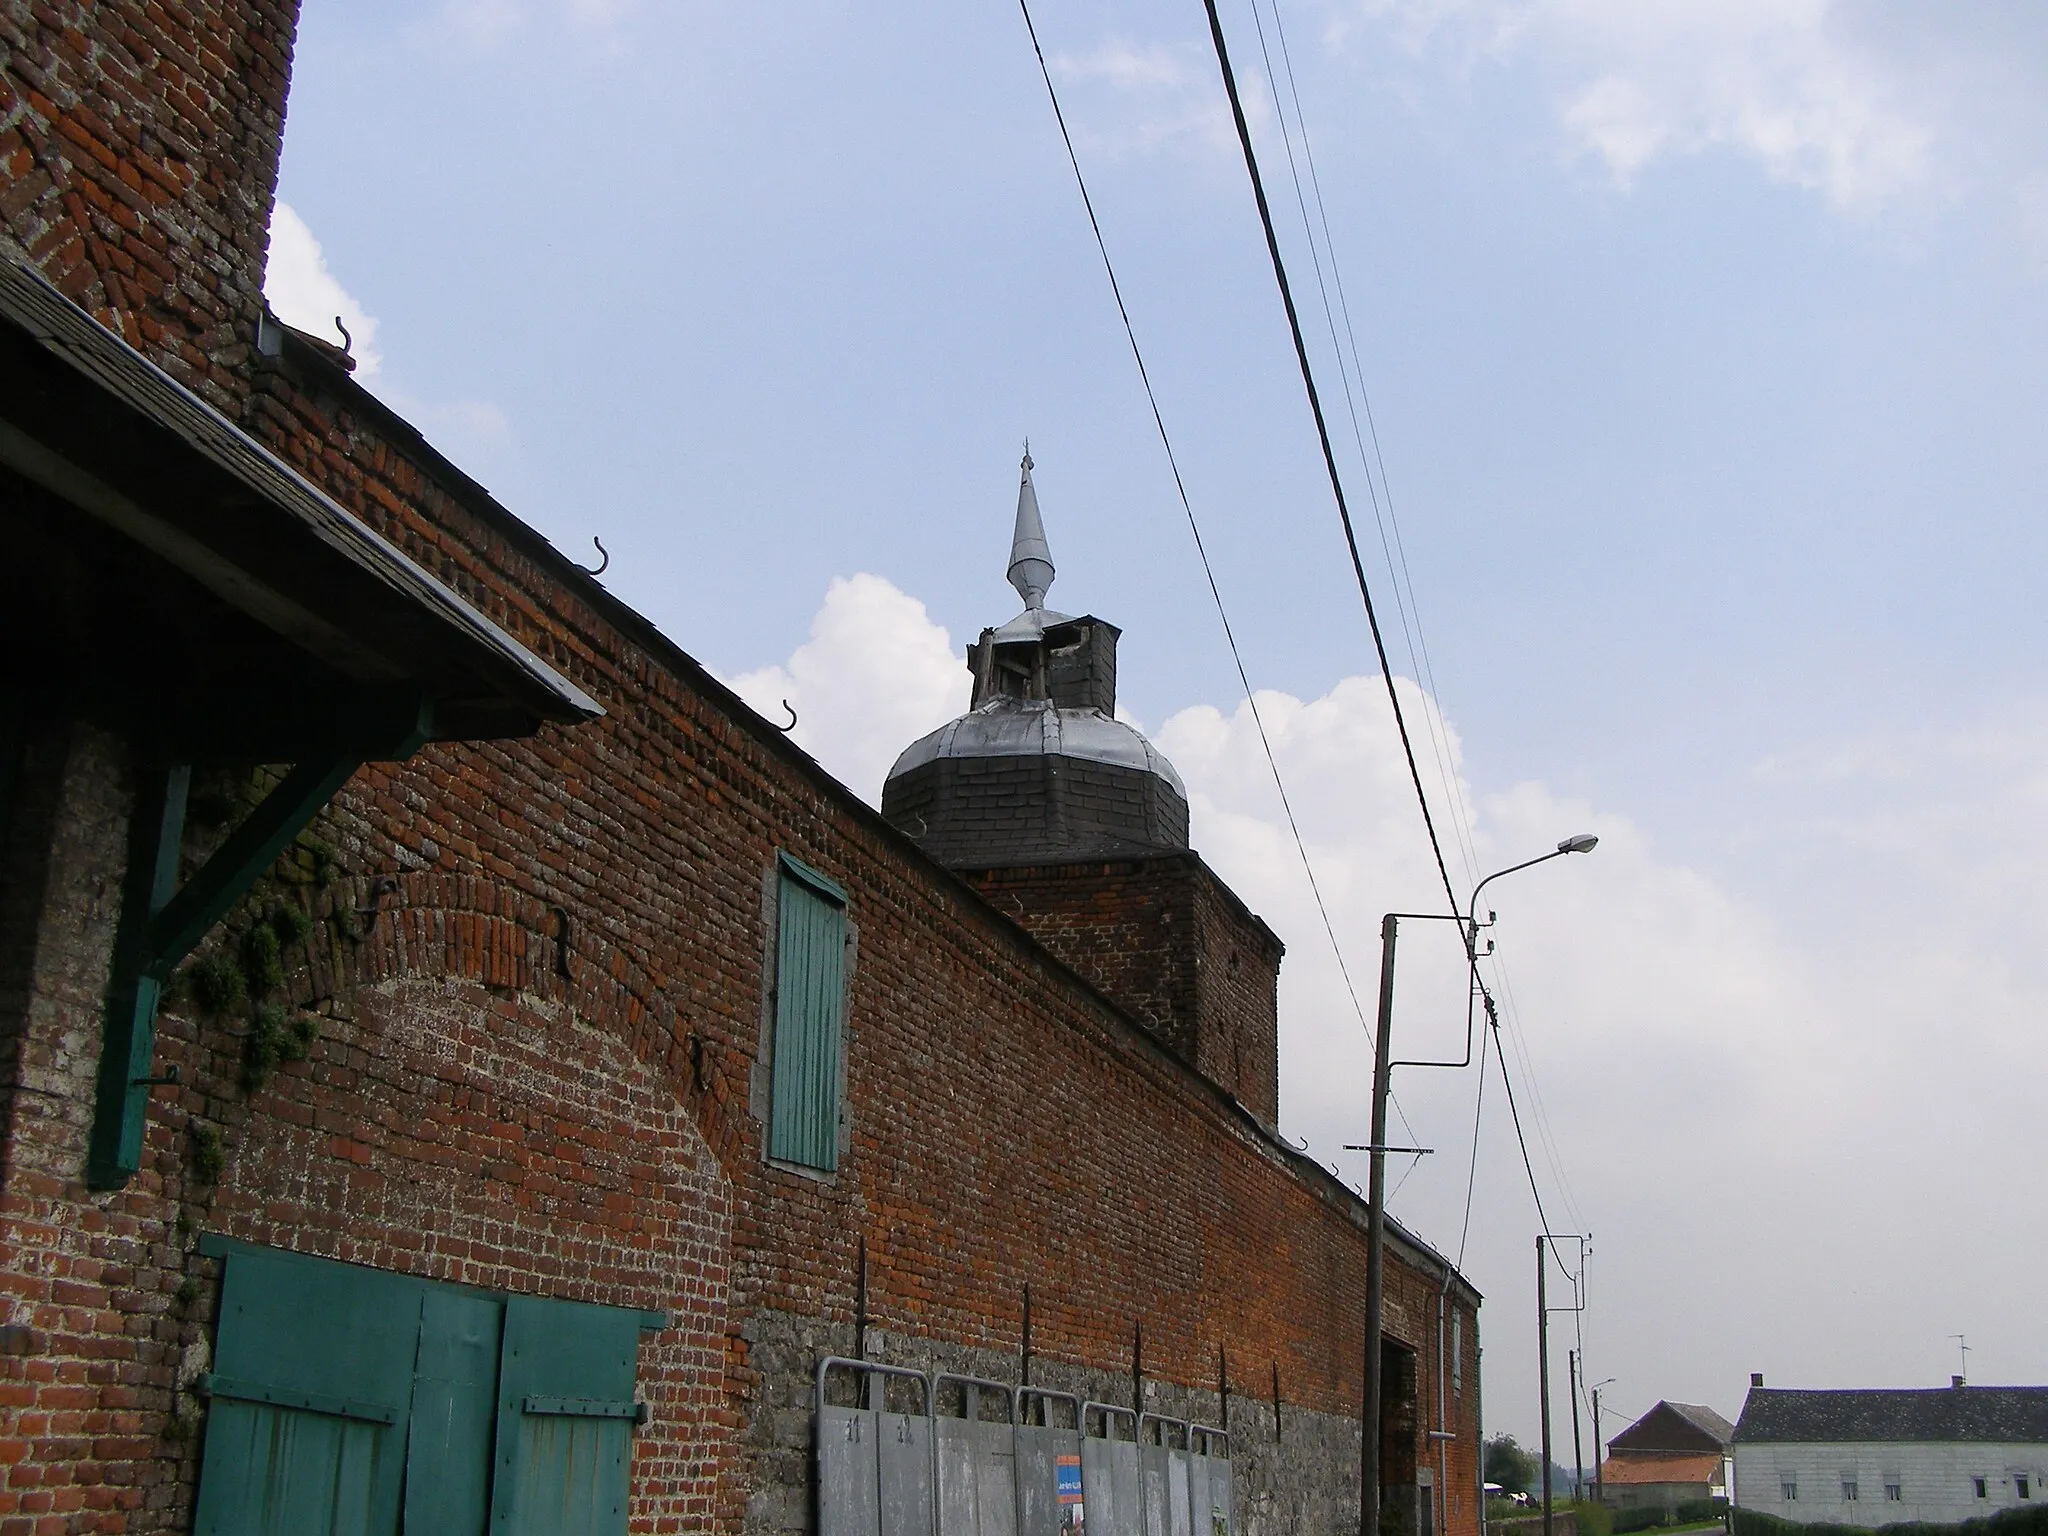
[1874, 1457]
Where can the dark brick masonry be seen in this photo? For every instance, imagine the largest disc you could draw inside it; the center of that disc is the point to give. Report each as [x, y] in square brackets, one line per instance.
[1174, 947]
[1002, 810]
[539, 974]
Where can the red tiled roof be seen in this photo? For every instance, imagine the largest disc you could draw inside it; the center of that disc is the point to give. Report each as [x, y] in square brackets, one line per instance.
[1661, 1469]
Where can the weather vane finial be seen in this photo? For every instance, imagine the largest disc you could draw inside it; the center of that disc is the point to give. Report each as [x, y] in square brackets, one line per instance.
[1031, 569]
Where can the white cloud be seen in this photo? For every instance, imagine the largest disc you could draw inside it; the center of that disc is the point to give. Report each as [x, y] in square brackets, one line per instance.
[1772, 79]
[875, 675]
[1801, 1119]
[1797, 86]
[1129, 98]
[305, 294]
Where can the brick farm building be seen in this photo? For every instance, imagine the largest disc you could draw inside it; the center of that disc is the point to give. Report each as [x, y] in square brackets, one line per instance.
[462, 1070]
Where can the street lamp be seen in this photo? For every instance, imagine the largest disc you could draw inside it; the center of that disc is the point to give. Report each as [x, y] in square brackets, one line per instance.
[1376, 1196]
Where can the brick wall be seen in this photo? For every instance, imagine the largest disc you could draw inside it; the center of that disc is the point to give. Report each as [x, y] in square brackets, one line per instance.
[536, 971]
[1170, 944]
[138, 163]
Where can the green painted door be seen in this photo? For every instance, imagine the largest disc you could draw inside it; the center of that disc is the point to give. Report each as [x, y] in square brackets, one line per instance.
[312, 1398]
[354, 1402]
[454, 1414]
[565, 1419]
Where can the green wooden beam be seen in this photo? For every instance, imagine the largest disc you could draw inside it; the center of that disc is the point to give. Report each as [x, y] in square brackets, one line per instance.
[160, 923]
[250, 849]
[154, 835]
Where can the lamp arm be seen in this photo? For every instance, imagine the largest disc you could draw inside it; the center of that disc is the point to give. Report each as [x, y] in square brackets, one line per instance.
[1472, 908]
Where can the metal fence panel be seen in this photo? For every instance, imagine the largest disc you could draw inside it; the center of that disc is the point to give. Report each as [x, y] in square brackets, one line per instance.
[1154, 1470]
[1209, 1480]
[1049, 1491]
[849, 1473]
[977, 1458]
[995, 1479]
[1109, 1472]
[958, 1515]
[874, 1467]
[905, 1473]
[1163, 1454]
[1180, 1515]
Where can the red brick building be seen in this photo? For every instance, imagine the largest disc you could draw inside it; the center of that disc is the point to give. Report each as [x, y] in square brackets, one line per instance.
[449, 1043]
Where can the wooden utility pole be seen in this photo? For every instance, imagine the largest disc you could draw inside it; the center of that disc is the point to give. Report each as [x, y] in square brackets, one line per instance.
[1599, 1461]
[1543, 1372]
[1578, 1462]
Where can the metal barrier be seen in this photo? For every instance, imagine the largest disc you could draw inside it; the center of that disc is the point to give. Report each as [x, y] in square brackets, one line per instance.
[874, 1466]
[1049, 1485]
[977, 1457]
[1109, 1470]
[1163, 1468]
[1209, 1479]
[966, 1456]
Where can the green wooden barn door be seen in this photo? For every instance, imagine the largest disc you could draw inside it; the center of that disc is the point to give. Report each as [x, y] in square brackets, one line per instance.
[454, 1414]
[312, 1398]
[565, 1419]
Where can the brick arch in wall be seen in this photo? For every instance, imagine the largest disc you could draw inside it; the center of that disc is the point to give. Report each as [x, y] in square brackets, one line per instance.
[466, 927]
[497, 1104]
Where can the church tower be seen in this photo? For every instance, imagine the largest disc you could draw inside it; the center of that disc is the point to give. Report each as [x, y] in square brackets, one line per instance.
[1074, 824]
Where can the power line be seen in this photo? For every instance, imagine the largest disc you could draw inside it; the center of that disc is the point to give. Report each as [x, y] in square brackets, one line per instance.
[1399, 569]
[1201, 549]
[1337, 489]
[1405, 609]
[1507, 1082]
[1472, 1171]
[1308, 380]
[1539, 1111]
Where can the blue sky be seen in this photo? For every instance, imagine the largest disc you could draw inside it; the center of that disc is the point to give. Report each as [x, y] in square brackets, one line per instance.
[1705, 345]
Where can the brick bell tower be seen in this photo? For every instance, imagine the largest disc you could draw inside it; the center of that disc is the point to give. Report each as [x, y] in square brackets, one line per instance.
[1070, 821]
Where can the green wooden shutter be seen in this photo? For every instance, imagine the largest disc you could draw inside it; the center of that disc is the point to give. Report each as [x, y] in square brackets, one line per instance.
[454, 1413]
[311, 1399]
[565, 1419]
[810, 991]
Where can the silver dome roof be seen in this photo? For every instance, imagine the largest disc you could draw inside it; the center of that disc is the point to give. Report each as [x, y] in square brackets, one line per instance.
[1012, 727]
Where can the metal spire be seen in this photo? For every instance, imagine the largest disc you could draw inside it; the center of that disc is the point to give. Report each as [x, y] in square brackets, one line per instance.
[1031, 569]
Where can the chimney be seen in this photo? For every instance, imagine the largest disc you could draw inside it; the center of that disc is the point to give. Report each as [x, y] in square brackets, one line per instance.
[1756, 1378]
[1956, 1381]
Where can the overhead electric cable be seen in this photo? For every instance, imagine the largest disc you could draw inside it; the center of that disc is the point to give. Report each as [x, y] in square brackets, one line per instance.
[1308, 380]
[1528, 1167]
[1472, 1170]
[1406, 610]
[1539, 1112]
[1409, 610]
[1201, 549]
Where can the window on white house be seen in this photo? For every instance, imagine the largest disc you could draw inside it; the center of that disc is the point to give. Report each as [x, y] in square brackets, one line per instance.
[1983, 1492]
[1894, 1489]
[2024, 1488]
[1849, 1490]
[1790, 1488]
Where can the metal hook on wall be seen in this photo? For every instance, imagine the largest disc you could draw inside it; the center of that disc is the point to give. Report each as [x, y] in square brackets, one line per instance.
[348, 342]
[599, 568]
[381, 887]
[786, 729]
